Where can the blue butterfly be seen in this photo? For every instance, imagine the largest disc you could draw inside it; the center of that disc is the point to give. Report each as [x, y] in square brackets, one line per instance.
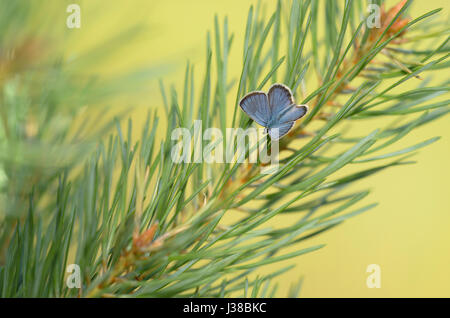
[275, 110]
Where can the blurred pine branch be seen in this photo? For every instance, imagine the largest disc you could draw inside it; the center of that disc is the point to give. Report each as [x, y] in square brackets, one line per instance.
[140, 225]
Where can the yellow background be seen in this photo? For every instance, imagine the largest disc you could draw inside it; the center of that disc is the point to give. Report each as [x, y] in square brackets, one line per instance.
[407, 234]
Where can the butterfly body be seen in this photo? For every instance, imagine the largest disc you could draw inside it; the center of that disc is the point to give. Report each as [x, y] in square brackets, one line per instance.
[276, 110]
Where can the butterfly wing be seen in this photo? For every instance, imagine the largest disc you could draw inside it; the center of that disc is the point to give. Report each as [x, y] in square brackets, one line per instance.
[293, 113]
[279, 131]
[256, 106]
[282, 105]
[284, 110]
[280, 98]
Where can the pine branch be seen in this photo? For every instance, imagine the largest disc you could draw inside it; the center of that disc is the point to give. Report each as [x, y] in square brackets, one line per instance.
[140, 225]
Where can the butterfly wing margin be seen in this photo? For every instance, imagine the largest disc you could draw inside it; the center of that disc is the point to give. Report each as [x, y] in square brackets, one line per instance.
[256, 106]
[279, 131]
